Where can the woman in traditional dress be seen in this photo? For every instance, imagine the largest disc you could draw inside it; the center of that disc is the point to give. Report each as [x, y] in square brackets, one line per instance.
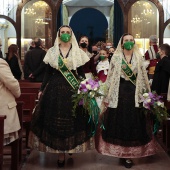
[54, 128]
[127, 133]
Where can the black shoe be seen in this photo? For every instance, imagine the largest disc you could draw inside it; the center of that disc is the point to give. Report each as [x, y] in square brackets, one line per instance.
[128, 163]
[61, 163]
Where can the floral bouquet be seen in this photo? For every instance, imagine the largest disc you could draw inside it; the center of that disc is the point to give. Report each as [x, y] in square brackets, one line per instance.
[152, 102]
[85, 96]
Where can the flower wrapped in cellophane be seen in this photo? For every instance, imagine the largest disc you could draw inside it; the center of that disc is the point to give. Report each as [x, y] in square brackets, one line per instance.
[153, 102]
[85, 96]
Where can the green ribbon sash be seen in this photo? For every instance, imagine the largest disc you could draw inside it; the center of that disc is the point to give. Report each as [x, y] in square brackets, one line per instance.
[128, 72]
[94, 115]
[69, 76]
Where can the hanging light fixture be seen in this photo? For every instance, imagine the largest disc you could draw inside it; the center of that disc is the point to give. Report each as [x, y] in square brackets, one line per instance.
[40, 4]
[136, 19]
[40, 21]
[29, 11]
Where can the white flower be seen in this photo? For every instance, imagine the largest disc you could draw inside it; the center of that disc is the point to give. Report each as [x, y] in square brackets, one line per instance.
[88, 86]
[159, 103]
[92, 94]
[78, 91]
[145, 95]
[83, 82]
[162, 104]
[95, 89]
[148, 100]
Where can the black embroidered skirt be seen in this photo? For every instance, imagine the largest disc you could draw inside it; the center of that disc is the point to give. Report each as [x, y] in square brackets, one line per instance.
[53, 121]
[126, 125]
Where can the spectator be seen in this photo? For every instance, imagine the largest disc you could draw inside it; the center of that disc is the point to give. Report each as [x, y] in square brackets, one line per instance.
[109, 45]
[162, 71]
[9, 90]
[89, 68]
[111, 52]
[14, 61]
[32, 44]
[34, 67]
[151, 55]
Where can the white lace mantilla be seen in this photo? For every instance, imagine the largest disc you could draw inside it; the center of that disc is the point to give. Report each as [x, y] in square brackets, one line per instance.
[115, 72]
[76, 57]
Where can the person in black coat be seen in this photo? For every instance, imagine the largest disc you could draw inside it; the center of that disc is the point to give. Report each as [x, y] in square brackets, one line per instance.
[12, 58]
[162, 71]
[34, 67]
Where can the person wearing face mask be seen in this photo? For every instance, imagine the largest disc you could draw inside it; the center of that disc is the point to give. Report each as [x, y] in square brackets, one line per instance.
[127, 132]
[152, 55]
[161, 79]
[111, 52]
[102, 71]
[89, 68]
[108, 45]
[103, 66]
[54, 128]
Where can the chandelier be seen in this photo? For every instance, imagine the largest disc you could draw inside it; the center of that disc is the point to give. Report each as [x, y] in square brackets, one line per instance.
[148, 9]
[29, 11]
[40, 21]
[40, 4]
[136, 20]
[147, 12]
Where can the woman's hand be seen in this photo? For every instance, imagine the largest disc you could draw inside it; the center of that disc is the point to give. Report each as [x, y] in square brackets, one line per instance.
[106, 102]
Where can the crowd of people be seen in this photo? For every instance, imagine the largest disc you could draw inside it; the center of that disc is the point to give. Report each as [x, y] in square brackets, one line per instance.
[123, 72]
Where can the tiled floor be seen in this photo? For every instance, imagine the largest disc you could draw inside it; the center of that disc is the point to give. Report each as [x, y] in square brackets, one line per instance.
[91, 160]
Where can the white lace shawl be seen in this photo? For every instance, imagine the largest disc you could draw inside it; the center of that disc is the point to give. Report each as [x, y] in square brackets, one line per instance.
[114, 74]
[76, 57]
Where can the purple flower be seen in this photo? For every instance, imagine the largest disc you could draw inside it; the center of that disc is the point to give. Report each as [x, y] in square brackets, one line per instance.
[93, 83]
[83, 88]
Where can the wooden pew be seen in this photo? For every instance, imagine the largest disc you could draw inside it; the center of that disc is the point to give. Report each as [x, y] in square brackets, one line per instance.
[2, 118]
[29, 104]
[29, 87]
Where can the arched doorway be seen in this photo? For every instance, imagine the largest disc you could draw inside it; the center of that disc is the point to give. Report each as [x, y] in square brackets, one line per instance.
[7, 34]
[90, 22]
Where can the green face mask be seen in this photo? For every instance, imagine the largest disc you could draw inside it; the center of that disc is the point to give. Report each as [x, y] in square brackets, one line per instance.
[102, 57]
[65, 37]
[128, 45]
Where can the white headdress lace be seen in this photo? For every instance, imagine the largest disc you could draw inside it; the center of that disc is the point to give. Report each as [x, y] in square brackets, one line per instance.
[76, 57]
[113, 77]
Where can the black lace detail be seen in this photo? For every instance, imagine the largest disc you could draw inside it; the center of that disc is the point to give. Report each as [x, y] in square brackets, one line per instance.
[126, 125]
[53, 121]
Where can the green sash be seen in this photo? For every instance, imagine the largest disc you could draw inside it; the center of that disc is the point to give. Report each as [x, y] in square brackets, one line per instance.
[69, 76]
[128, 72]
